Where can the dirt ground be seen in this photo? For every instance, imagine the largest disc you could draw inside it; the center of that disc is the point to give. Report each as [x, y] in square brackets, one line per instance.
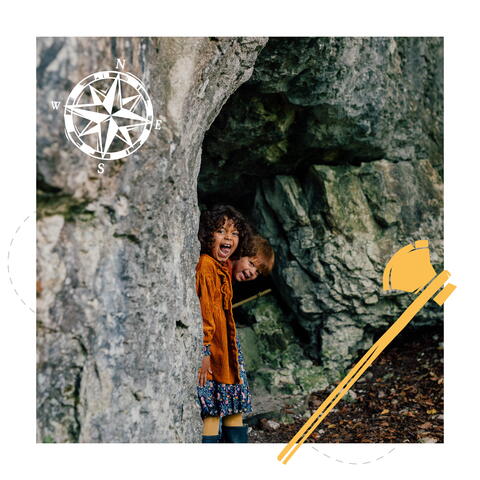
[399, 399]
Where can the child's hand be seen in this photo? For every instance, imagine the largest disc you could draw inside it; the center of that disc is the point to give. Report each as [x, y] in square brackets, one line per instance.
[204, 369]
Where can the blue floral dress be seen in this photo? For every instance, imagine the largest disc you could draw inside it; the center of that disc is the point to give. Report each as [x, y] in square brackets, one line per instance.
[221, 399]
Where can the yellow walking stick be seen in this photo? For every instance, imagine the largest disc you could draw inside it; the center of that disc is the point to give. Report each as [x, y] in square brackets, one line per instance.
[410, 270]
[249, 299]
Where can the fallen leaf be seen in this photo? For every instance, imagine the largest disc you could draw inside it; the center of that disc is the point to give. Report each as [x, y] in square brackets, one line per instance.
[426, 425]
[428, 440]
[384, 411]
[432, 411]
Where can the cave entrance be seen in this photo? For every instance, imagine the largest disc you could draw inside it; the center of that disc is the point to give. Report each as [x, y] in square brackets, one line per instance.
[336, 159]
[254, 139]
[224, 189]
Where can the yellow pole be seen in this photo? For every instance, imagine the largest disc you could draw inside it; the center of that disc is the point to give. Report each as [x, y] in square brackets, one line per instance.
[377, 348]
[249, 299]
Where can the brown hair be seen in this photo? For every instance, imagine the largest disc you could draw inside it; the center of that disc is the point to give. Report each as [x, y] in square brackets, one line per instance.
[260, 249]
[212, 220]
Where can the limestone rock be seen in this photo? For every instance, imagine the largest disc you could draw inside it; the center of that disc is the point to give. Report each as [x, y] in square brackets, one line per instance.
[278, 370]
[119, 328]
[335, 148]
[327, 101]
[333, 232]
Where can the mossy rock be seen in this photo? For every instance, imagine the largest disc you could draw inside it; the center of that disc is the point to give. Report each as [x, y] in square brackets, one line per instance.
[49, 204]
[249, 344]
[311, 378]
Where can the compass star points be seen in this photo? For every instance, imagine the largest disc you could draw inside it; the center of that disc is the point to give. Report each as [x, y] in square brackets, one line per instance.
[108, 117]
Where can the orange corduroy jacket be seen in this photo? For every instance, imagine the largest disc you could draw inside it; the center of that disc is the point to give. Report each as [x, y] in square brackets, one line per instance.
[214, 289]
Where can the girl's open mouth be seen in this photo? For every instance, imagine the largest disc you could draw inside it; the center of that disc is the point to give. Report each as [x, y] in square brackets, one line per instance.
[225, 249]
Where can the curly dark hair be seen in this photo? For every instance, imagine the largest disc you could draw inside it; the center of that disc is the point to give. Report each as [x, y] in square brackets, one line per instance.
[211, 220]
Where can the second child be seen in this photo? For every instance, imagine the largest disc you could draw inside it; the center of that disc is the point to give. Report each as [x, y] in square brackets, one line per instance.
[258, 260]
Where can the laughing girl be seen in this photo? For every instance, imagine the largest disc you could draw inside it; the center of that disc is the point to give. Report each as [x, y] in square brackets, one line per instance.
[223, 390]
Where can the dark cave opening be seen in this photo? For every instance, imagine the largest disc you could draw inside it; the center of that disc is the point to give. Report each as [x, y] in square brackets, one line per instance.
[246, 289]
[239, 153]
[321, 167]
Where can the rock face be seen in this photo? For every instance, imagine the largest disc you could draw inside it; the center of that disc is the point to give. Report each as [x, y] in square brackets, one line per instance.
[278, 370]
[329, 101]
[335, 148]
[119, 328]
[333, 233]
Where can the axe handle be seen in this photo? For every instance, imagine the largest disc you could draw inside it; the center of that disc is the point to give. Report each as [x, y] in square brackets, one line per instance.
[355, 373]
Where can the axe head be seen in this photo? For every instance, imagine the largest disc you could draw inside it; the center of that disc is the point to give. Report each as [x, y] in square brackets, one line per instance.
[409, 269]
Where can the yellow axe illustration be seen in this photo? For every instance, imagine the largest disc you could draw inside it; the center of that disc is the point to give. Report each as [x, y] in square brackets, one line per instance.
[409, 270]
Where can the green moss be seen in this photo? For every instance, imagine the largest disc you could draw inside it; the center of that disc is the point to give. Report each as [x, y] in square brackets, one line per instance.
[129, 236]
[264, 378]
[275, 153]
[286, 419]
[289, 389]
[276, 341]
[274, 356]
[249, 344]
[311, 378]
[48, 439]
[49, 204]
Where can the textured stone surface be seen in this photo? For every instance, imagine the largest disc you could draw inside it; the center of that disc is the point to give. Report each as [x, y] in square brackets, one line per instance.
[373, 97]
[119, 330]
[329, 101]
[277, 368]
[335, 148]
[333, 233]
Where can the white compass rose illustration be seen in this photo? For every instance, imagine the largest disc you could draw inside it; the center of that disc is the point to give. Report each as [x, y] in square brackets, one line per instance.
[108, 115]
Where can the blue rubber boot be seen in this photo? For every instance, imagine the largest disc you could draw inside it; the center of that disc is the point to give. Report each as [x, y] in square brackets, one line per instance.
[234, 434]
[210, 438]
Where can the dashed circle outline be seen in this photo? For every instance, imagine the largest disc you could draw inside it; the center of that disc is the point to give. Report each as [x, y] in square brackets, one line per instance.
[8, 263]
[353, 463]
